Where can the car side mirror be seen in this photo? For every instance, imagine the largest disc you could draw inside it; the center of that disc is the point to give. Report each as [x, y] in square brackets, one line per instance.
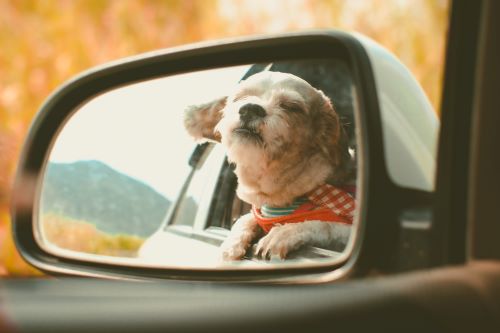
[111, 183]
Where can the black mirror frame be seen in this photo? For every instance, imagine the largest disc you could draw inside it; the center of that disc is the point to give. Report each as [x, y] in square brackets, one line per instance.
[375, 242]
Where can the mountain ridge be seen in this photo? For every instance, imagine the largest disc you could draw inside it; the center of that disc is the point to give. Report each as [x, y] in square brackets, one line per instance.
[93, 191]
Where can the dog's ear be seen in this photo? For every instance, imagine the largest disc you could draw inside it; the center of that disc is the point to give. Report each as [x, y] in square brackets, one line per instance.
[332, 139]
[200, 120]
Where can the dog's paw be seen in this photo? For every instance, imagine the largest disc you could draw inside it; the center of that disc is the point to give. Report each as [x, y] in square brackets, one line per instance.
[239, 240]
[280, 241]
[233, 251]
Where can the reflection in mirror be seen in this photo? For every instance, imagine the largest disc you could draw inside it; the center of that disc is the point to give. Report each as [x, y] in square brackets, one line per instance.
[272, 160]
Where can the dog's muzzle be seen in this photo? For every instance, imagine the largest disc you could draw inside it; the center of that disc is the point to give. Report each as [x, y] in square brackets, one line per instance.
[250, 116]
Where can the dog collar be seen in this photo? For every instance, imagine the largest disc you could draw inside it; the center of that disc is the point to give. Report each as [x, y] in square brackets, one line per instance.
[327, 203]
[270, 211]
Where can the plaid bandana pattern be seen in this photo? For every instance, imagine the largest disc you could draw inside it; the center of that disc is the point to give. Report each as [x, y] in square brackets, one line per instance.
[327, 204]
[337, 200]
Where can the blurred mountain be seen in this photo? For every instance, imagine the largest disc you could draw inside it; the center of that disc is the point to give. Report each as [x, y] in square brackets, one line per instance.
[94, 192]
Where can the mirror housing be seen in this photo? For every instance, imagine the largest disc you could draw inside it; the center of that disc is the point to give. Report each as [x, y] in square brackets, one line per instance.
[379, 78]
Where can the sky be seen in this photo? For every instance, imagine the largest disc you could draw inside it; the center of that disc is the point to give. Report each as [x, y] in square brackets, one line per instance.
[138, 129]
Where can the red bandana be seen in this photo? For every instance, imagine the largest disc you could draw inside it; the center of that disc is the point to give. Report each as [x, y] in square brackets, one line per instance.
[326, 204]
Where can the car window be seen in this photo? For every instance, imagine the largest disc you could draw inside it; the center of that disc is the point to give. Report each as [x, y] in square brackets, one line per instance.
[195, 201]
[226, 206]
[33, 65]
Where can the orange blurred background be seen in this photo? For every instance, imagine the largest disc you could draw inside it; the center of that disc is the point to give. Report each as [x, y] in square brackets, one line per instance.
[46, 42]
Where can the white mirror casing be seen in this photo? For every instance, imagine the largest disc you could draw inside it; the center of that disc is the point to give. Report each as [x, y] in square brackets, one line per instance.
[409, 123]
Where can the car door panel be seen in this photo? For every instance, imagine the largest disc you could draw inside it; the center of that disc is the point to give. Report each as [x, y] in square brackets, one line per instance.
[454, 299]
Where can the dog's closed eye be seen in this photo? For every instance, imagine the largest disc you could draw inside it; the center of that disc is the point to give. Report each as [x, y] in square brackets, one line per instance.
[292, 107]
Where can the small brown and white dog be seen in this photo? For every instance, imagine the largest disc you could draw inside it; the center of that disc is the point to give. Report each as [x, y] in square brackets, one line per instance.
[286, 142]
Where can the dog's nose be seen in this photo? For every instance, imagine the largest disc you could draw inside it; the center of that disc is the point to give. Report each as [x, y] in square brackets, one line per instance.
[251, 111]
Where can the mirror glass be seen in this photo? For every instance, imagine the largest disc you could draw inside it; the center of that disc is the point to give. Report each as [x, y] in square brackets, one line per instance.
[157, 172]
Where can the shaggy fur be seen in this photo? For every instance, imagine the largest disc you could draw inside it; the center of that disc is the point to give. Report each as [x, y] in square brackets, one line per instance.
[285, 140]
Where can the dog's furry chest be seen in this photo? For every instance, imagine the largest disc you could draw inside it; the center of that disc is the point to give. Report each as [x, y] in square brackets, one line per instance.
[278, 184]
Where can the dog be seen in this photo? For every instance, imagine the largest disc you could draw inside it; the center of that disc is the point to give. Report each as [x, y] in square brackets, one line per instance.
[290, 154]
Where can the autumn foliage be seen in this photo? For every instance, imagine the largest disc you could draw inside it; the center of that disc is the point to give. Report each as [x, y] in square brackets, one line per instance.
[44, 43]
[66, 233]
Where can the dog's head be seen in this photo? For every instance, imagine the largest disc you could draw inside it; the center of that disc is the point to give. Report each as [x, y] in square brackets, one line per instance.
[283, 135]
